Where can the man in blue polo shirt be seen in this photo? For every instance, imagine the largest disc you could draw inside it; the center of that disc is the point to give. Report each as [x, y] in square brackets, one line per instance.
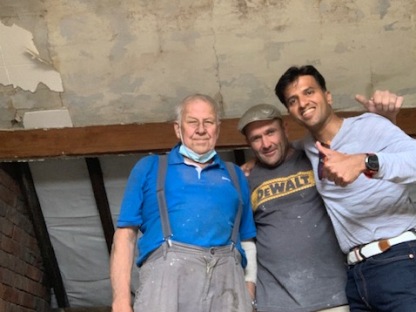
[192, 267]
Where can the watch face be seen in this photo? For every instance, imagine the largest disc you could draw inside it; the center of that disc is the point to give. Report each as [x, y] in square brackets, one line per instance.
[371, 162]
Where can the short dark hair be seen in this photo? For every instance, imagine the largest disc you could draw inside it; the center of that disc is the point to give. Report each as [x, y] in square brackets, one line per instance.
[292, 74]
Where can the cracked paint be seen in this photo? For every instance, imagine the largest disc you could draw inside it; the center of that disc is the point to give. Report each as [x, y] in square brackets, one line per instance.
[20, 63]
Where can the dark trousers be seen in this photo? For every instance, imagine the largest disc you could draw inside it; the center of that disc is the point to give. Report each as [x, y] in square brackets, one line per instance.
[385, 282]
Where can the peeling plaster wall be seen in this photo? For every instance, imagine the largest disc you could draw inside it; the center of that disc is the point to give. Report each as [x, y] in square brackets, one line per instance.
[130, 61]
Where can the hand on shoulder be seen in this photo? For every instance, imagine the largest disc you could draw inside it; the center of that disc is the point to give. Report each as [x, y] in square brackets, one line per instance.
[248, 166]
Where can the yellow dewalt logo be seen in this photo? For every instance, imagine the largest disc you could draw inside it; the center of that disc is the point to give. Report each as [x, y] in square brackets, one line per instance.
[276, 188]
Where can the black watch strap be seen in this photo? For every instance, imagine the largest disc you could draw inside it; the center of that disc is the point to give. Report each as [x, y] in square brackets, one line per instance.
[371, 164]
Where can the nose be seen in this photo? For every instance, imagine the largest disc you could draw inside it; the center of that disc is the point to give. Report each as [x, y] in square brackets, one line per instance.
[303, 101]
[200, 128]
[265, 143]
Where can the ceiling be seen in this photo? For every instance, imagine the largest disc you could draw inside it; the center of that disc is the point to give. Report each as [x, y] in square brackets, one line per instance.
[99, 62]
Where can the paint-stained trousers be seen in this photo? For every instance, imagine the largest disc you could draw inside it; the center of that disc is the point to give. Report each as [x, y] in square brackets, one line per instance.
[185, 278]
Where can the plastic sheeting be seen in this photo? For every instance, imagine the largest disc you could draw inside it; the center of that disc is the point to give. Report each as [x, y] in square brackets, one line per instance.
[73, 222]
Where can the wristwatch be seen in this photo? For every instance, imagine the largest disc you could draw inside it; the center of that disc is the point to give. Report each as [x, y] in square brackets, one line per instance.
[371, 164]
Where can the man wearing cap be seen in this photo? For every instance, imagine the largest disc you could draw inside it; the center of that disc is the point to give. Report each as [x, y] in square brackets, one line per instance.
[300, 266]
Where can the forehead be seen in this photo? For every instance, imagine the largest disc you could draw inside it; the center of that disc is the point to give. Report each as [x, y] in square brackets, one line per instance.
[198, 108]
[302, 83]
[257, 127]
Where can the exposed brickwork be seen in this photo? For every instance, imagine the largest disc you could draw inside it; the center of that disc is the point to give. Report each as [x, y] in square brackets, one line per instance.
[22, 278]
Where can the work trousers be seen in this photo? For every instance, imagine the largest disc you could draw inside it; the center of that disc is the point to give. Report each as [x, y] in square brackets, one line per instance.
[186, 278]
[343, 308]
[385, 282]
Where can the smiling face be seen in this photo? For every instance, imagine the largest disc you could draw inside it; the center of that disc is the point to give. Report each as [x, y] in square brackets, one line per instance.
[199, 126]
[308, 103]
[268, 140]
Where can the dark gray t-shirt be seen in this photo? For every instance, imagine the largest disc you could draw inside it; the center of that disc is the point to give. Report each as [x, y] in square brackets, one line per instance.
[300, 265]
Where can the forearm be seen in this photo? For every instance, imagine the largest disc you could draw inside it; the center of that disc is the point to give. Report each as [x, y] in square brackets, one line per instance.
[397, 167]
[250, 272]
[396, 156]
[122, 257]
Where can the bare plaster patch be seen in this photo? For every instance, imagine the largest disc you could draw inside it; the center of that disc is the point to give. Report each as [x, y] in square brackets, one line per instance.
[20, 64]
[384, 6]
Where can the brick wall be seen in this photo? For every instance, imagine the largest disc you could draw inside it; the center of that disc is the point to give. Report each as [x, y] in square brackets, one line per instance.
[22, 278]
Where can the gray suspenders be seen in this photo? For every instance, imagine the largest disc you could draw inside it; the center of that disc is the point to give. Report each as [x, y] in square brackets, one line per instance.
[236, 228]
[167, 231]
[163, 210]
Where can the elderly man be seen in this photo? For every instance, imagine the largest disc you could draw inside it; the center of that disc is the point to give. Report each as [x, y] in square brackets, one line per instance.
[187, 260]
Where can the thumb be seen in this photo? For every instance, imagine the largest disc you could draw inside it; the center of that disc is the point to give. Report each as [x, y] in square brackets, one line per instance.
[324, 150]
[367, 103]
[361, 99]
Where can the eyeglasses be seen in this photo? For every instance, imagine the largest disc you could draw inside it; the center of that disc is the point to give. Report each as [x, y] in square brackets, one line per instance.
[322, 157]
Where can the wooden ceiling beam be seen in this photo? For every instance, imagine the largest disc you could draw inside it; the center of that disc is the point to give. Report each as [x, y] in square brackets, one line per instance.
[132, 138]
[101, 199]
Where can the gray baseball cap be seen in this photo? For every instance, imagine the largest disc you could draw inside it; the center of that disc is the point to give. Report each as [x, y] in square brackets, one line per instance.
[258, 112]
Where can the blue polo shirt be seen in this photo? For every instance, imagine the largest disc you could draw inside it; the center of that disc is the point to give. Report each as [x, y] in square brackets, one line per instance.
[202, 204]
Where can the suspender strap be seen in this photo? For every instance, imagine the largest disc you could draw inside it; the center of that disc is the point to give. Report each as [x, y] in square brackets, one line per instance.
[163, 210]
[236, 228]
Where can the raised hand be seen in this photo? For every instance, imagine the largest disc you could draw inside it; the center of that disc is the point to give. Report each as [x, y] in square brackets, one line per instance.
[342, 169]
[383, 103]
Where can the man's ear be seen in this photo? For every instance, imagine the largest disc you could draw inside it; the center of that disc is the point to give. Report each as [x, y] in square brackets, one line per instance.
[285, 126]
[328, 96]
[177, 129]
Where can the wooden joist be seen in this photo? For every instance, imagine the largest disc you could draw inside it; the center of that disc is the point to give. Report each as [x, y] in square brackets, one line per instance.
[132, 138]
